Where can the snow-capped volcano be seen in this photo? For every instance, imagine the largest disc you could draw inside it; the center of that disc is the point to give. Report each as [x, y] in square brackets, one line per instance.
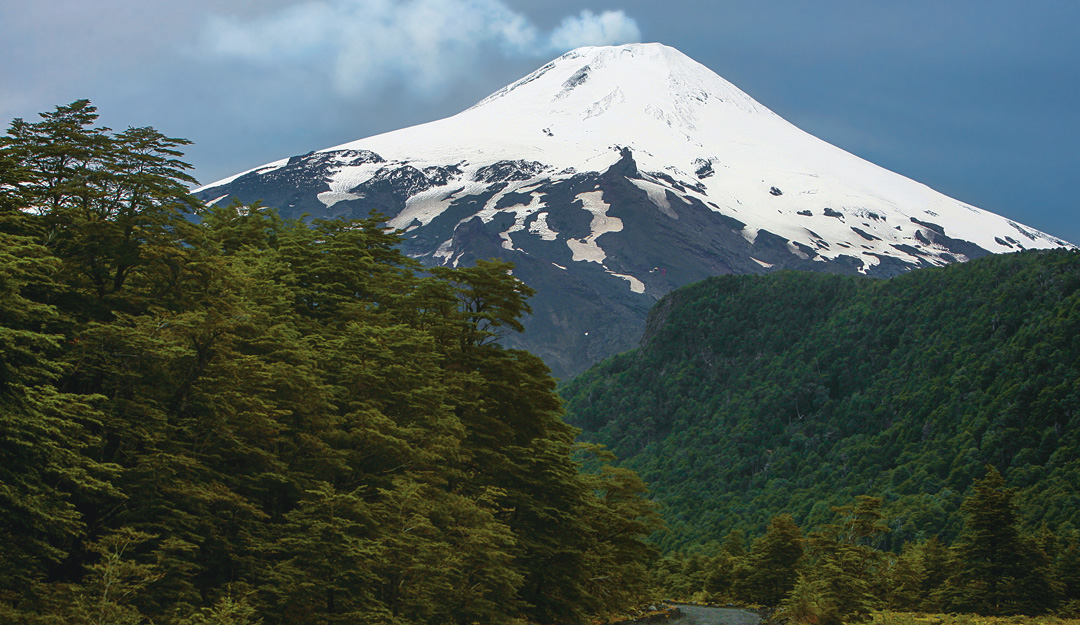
[612, 175]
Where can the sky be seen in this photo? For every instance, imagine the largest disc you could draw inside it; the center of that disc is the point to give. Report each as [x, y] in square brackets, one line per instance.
[978, 99]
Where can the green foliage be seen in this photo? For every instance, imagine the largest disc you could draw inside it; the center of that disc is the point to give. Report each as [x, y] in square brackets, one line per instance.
[43, 430]
[618, 516]
[847, 574]
[839, 575]
[771, 565]
[753, 396]
[999, 571]
[113, 583]
[241, 419]
[111, 205]
[920, 618]
[227, 611]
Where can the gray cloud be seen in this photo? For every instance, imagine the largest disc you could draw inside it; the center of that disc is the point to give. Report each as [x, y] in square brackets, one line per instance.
[425, 46]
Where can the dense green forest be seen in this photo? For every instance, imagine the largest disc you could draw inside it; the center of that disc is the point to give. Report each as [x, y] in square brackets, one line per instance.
[792, 393]
[840, 573]
[213, 415]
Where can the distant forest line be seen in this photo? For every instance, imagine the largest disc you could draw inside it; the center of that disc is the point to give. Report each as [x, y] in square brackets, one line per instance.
[753, 396]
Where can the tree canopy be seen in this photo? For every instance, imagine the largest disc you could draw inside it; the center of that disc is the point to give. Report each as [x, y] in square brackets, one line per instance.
[753, 396]
[212, 414]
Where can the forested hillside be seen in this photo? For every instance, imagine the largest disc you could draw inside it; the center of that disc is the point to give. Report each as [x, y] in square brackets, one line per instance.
[240, 419]
[795, 392]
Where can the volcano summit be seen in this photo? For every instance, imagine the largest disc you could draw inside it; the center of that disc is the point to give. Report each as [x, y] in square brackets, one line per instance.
[613, 175]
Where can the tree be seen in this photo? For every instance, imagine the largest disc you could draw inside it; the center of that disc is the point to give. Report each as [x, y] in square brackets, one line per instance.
[114, 583]
[251, 420]
[620, 518]
[999, 571]
[111, 204]
[937, 564]
[843, 579]
[43, 432]
[721, 575]
[773, 563]
[905, 577]
[1067, 572]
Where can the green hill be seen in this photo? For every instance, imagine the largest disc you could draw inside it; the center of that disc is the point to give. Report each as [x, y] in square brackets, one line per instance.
[793, 392]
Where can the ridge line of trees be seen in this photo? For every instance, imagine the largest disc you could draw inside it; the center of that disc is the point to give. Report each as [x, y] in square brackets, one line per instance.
[795, 392]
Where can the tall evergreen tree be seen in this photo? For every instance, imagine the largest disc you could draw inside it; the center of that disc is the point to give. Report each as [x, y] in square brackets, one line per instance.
[773, 563]
[111, 204]
[619, 518]
[843, 581]
[43, 432]
[999, 570]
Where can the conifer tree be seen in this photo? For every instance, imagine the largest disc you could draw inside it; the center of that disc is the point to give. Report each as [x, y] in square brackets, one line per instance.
[999, 571]
[773, 563]
[110, 204]
[840, 583]
[43, 431]
[619, 518]
[1067, 571]
[937, 564]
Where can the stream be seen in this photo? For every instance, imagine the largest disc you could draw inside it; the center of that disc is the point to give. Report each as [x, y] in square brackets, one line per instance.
[701, 615]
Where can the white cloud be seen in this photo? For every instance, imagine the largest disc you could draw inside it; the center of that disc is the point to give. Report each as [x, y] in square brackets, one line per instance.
[423, 45]
[589, 29]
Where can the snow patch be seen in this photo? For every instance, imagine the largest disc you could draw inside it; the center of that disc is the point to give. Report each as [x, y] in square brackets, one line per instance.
[427, 205]
[329, 198]
[262, 169]
[586, 249]
[540, 228]
[657, 195]
[637, 286]
[521, 214]
[794, 249]
[868, 261]
[445, 251]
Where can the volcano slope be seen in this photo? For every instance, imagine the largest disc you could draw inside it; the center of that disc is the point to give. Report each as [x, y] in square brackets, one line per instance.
[611, 176]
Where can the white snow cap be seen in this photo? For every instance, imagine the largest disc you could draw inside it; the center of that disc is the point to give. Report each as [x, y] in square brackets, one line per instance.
[683, 121]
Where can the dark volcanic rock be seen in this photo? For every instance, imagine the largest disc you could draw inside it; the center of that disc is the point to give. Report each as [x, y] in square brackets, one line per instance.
[583, 311]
